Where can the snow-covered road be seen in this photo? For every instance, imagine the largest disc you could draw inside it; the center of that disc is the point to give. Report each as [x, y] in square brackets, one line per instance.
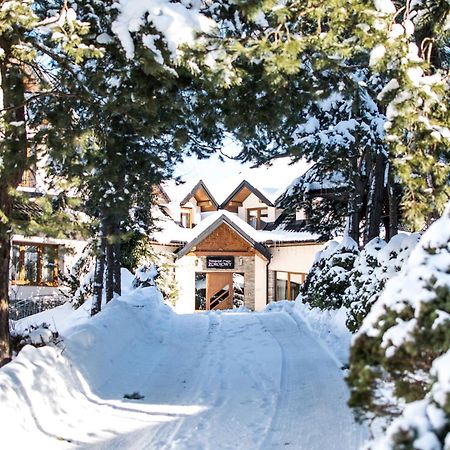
[246, 381]
[214, 380]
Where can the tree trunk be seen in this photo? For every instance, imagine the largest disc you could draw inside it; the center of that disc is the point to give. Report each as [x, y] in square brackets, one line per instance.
[394, 203]
[98, 275]
[5, 251]
[356, 201]
[13, 153]
[109, 286]
[117, 265]
[375, 198]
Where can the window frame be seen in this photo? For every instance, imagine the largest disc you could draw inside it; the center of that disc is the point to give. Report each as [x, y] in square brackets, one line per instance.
[190, 213]
[288, 283]
[258, 215]
[21, 281]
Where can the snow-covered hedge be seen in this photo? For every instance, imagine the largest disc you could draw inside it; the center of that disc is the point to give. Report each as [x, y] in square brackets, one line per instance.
[376, 264]
[328, 279]
[424, 424]
[407, 328]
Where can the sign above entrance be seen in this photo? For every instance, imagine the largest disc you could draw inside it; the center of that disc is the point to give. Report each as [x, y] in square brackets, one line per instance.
[220, 262]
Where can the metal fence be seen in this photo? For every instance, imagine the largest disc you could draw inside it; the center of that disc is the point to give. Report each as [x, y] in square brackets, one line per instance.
[18, 309]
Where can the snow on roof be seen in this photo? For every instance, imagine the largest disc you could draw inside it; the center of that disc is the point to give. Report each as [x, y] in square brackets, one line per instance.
[221, 177]
[171, 232]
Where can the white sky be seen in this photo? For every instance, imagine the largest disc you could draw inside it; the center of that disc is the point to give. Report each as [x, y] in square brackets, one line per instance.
[222, 177]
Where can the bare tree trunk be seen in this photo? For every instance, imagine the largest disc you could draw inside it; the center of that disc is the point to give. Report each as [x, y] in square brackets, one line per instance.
[5, 249]
[109, 287]
[375, 198]
[117, 266]
[98, 275]
[356, 201]
[13, 154]
[394, 203]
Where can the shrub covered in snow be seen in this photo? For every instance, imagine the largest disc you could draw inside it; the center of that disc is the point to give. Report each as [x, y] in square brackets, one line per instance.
[145, 276]
[424, 424]
[328, 279]
[377, 263]
[36, 335]
[78, 283]
[407, 328]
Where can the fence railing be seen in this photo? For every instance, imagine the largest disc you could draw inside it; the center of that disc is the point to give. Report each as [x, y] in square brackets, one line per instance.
[18, 309]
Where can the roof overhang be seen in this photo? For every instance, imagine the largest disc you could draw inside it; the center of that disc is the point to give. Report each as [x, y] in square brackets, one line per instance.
[260, 248]
[202, 195]
[241, 193]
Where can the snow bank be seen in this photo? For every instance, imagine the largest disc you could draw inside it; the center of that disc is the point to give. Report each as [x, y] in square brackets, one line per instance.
[44, 390]
[328, 327]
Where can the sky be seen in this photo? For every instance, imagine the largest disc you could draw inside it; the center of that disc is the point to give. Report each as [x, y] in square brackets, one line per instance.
[222, 177]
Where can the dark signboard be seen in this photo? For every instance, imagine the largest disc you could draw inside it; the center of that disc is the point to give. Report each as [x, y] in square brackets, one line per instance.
[220, 262]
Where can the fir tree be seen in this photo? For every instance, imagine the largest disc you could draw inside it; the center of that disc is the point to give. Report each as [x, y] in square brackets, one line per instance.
[407, 328]
[33, 41]
[136, 107]
[328, 278]
[377, 263]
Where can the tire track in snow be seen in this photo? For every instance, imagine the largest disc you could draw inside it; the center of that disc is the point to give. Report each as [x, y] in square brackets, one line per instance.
[311, 411]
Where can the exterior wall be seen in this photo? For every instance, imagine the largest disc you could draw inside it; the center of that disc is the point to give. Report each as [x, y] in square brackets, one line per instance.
[70, 251]
[175, 210]
[295, 258]
[185, 269]
[253, 268]
[260, 283]
[271, 283]
[300, 214]
[196, 210]
[252, 201]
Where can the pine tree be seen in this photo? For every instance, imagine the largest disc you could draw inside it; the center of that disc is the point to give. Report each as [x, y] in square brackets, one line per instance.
[377, 263]
[285, 53]
[28, 32]
[135, 106]
[328, 278]
[426, 420]
[407, 328]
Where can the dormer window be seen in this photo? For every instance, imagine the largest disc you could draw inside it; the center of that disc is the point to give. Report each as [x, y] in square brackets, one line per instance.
[186, 216]
[257, 217]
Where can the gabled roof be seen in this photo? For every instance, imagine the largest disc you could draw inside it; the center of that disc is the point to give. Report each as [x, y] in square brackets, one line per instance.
[199, 192]
[159, 190]
[245, 189]
[224, 219]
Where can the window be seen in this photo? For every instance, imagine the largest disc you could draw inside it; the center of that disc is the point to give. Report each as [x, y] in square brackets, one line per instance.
[186, 217]
[34, 264]
[257, 217]
[28, 179]
[28, 176]
[287, 285]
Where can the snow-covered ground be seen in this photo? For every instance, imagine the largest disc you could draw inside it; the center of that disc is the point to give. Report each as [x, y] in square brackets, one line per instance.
[204, 381]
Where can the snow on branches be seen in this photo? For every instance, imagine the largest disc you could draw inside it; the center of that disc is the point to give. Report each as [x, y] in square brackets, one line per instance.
[408, 327]
[176, 23]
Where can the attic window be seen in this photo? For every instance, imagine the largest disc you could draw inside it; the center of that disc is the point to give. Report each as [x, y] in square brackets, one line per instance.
[186, 216]
[257, 217]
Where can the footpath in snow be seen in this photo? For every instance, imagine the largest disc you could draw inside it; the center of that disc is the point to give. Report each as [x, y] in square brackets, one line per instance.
[206, 381]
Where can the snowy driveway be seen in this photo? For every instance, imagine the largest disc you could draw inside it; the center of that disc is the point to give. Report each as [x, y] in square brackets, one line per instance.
[216, 381]
[245, 381]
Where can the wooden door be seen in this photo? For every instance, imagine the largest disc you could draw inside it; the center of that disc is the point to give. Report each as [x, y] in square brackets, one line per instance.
[219, 290]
